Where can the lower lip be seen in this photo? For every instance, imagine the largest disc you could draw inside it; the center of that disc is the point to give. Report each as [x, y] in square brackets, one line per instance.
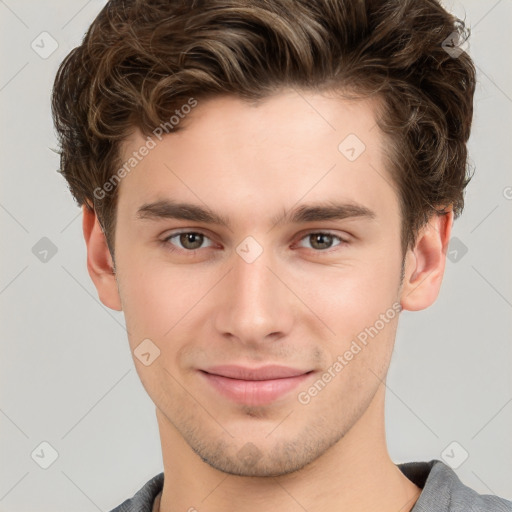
[254, 392]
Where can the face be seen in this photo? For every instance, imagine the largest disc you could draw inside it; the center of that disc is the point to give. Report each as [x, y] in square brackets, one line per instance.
[274, 316]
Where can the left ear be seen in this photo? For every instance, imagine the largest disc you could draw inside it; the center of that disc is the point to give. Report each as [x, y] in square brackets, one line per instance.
[425, 263]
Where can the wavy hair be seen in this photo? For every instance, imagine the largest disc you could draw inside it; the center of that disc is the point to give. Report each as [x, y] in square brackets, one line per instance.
[141, 59]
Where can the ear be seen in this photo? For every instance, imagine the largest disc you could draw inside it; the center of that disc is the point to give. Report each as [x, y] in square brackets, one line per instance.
[99, 260]
[425, 264]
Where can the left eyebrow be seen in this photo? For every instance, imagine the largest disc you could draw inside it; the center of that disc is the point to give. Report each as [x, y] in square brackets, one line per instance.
[324, 211]
[169, 209]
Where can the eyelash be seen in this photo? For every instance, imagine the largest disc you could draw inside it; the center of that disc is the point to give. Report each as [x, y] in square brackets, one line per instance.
[170, 247]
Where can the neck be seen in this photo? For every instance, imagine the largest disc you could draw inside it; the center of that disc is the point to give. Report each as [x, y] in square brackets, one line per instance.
[355, 474]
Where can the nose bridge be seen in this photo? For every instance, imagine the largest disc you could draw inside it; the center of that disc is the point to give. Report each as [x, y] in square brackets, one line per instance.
[254, 303]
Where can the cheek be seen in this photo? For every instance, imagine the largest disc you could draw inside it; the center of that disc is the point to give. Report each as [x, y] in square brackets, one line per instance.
[158, 298]
[361, 306]
[148, 298]
[351, 297]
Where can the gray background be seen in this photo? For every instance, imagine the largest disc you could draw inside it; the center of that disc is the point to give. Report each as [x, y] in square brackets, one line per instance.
[66, 372]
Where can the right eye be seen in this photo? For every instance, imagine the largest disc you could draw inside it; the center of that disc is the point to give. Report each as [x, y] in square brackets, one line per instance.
[190, 241]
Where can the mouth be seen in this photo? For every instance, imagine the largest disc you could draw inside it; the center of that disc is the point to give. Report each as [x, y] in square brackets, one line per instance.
[254, 386]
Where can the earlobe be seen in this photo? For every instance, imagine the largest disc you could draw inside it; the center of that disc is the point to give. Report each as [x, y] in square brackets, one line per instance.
[99, 260]
[425, 264]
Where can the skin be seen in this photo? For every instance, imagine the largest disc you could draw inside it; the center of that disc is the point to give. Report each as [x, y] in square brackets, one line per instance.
[296, 305]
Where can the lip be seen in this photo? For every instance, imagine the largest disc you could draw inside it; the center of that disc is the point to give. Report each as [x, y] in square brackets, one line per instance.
[254, 386]
[268, 372]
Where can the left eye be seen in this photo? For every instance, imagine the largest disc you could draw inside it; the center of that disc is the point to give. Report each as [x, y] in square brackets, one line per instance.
[321, 240]
[191, 240]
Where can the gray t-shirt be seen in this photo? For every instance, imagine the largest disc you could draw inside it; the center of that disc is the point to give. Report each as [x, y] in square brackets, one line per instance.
[442, 492]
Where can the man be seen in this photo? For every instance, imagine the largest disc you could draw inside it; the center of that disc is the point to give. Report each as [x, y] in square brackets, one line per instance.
[265, 186]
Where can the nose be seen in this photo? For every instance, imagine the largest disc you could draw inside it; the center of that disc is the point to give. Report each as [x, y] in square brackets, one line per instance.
[254, 304]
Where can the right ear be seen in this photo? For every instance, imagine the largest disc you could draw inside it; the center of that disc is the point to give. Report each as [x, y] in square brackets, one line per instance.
[99, 260]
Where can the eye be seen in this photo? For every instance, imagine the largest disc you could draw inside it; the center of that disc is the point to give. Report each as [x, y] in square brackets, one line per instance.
[321, 241]
[188, 240]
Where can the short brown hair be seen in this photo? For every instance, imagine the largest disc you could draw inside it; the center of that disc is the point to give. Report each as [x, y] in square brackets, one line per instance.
[140, 59]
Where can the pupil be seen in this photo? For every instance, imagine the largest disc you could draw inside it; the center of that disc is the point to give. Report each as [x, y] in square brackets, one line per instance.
[187, 238]
[319, 238]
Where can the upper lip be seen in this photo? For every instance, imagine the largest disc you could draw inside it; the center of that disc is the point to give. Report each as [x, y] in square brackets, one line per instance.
[262, 373]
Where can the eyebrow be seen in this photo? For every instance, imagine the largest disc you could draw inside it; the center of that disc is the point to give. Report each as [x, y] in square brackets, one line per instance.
[169, 209]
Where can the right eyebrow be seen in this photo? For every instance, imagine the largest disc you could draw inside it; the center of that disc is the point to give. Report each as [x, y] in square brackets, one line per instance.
[168, 209]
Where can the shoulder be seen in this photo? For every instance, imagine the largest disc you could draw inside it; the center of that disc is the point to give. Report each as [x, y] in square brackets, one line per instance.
[142, 500]
[443, 491]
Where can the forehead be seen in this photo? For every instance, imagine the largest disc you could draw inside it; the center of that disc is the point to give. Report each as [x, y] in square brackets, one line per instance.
[264, 156]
